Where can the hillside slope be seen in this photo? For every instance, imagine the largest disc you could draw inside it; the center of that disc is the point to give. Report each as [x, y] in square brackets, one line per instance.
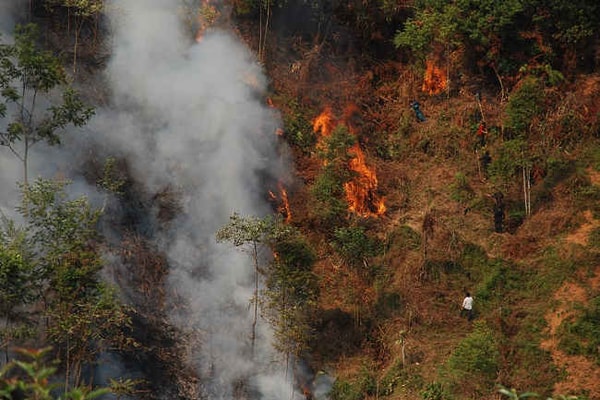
[399, 328]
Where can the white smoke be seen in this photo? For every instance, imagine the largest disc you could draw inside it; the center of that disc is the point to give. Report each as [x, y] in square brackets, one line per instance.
[9, 166]
[191, 117]
[188, 116]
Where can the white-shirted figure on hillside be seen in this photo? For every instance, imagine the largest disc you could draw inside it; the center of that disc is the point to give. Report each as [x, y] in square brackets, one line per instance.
[467, 306]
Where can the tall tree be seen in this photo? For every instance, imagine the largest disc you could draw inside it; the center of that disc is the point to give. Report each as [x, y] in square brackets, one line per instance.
[290, 288]
[251, 234]
[26, 72]
[54, 262]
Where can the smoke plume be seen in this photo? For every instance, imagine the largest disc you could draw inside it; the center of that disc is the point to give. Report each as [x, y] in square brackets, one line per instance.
[187, 116]
[191, 117]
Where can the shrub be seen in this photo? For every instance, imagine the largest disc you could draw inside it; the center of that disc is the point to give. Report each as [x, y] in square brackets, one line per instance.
[434, 391]
[475, 360]
[460, 190]
[509, 158]
[524, 104]
[354, 245]
[581, 336]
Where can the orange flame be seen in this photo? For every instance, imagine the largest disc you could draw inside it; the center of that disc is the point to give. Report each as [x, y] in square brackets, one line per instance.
[434, 81]
[361, 191]
[324, 123]
[284, 203]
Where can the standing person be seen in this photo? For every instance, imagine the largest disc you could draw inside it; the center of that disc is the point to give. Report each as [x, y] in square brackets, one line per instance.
[498, 212]
[417, 108]
[467, 306]
[481, 133]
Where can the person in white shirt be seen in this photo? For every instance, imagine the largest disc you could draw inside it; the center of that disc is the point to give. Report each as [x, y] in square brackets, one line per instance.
[467, 306]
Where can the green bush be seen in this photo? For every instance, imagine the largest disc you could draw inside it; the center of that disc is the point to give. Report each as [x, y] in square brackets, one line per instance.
[434, 391]
[509, 157]
[524, 103]
[298, 130]
[581, 336]
[365, 384]
[354, 245]
[406, 238]
[460, 190]
[475, 361]
[343, 390]
[594, 238]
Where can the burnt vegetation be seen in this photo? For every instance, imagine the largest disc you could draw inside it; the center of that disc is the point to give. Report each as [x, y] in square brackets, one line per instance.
[386, 223]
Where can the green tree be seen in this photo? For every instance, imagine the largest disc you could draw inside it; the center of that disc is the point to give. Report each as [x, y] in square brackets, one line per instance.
[19, 285]
[524, 105]
[83, 314]
[251, 235]
[328, 187]
[54, 262]
[291, 290]
[354, 245]
[79, 11]
[26, 72]
[30, 378]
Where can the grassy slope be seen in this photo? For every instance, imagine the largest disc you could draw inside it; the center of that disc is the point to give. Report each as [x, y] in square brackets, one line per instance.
[520, 279]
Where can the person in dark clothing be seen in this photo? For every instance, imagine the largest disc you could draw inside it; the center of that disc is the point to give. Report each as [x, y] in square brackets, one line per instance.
[498, 212]
[417, 108]
[485, 161]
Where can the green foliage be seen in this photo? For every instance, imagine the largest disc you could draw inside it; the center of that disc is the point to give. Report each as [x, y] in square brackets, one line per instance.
[460, 190]
[496, 279]
[512, 394]
[510, 157]
[475, 361]
[399, 376]
[17, 284]
[328, 187]
[434, 391]
[291, 292]
[248, 230]
[291, 288]
[298, 129]
[581, 335]
[343, 390]
[524, 104]
[354, 245]
[406, 237]
[25, 72]
[31, 378]
[478, 25]
[55, 259]
[594, 238]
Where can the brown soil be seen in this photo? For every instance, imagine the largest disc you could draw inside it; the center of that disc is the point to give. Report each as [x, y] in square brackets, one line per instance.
[581, 373]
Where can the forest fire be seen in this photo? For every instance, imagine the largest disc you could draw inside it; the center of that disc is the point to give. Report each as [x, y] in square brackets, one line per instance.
[283, 207]
[324, 123]
[435, 80]
[206, 17]
[361, 191]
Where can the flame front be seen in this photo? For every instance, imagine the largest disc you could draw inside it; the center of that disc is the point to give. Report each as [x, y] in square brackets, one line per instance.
[324, 123]
[361, 191]
[283, 207]
[435, 80]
